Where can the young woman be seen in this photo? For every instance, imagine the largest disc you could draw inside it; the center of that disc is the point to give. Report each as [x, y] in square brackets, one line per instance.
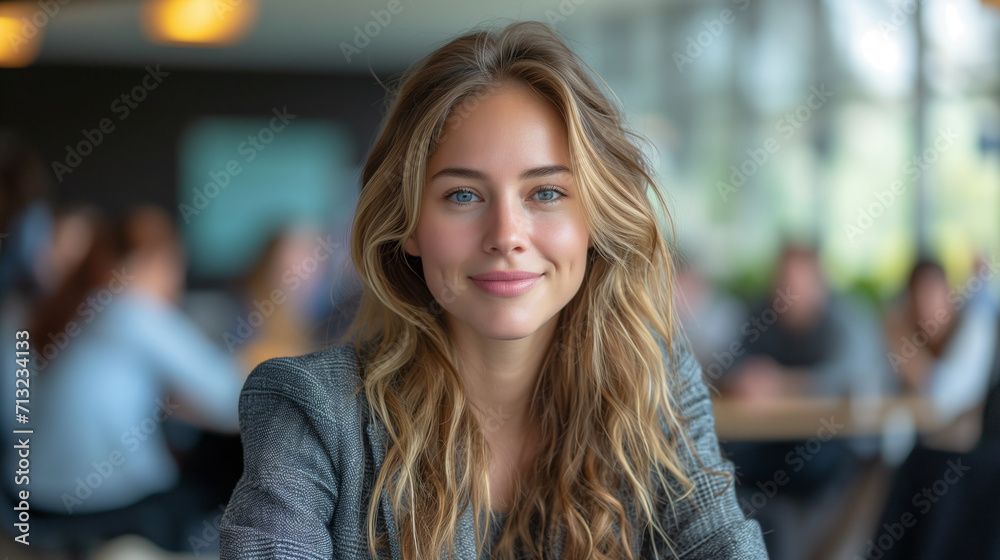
[514, 386]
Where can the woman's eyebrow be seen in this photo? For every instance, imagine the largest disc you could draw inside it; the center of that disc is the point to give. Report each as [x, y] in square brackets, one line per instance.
[534, 173]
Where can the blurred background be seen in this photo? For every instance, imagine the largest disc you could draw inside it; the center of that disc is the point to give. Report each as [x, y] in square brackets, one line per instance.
[177, 179]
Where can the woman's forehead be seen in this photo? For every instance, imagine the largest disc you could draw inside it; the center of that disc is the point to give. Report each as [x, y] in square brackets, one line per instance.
[510, 129]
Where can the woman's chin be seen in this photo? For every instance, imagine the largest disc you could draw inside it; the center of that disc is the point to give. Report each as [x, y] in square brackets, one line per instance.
[501, 328]
[504, 332]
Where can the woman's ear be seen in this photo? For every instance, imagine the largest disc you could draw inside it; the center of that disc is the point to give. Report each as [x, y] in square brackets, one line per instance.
[411, 247]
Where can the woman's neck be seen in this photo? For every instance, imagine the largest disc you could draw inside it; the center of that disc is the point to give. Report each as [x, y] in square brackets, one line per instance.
[500, 376]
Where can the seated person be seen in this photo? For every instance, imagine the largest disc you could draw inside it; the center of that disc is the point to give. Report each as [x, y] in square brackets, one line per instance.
[942, 347]
[130, 362]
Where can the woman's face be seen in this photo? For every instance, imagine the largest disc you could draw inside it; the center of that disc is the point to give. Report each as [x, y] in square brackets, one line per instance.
[930, 297]
[501, 235]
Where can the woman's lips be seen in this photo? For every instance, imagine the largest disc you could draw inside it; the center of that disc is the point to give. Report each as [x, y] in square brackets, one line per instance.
[502, 283]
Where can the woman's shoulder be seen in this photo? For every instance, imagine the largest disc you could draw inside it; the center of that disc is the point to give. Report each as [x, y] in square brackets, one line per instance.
[679, 359]
[327, 380]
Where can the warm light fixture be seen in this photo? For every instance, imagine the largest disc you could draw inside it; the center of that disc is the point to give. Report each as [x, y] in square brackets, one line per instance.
[20, 33]
[203, 23]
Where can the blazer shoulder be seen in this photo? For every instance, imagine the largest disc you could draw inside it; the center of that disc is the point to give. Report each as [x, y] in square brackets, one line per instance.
[679, 359]
[317, 379]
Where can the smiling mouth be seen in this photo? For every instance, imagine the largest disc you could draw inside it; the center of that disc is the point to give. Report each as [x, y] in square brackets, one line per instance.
[506, 283]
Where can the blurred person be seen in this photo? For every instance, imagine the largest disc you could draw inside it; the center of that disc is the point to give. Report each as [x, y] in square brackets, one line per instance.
[307, 272]
[28, 245]
[66, 246]
[276, 292]
[946, 347]
[27, 248]
[711, 318]
[336, 306]
[72, 237]
[25, 217]
[802, 341]
[26, 230]
[117, 361]
[986, 268]
[305, 279]
[942, 347]
[798, 341]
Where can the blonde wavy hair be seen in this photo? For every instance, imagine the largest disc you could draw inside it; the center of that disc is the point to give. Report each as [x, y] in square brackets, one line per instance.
[605, 397]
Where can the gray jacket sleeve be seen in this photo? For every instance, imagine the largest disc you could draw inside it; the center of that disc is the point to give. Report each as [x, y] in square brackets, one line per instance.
[709, 523]
[283, 504]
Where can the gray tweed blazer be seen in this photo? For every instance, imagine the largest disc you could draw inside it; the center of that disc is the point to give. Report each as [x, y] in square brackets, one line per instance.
[311, 453]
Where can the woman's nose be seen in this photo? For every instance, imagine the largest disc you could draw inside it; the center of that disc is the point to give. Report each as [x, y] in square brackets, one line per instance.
[507, 227]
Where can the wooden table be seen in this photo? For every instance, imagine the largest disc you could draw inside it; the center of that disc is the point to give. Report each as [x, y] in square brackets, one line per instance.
[799, 418]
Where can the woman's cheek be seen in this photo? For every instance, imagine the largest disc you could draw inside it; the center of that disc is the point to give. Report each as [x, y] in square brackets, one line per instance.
[563, 233]
[446, 240]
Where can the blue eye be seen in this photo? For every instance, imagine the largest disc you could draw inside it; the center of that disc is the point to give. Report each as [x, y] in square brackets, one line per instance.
[462, 197]
[548, 195]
